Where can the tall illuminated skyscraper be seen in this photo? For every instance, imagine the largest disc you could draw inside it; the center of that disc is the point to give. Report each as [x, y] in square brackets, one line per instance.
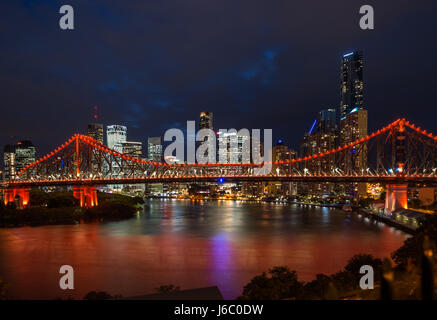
[353, 117]
[351, 83]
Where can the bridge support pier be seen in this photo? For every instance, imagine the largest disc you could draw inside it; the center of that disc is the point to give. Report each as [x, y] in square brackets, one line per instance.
[396, 197]
[10, 196]
[87, 196]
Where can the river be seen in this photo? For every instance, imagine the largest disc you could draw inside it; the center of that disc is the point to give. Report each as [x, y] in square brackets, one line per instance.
[189, 244]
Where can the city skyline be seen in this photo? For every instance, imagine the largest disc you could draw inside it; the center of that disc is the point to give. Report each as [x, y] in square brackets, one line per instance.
[251, 150]
[280, 83]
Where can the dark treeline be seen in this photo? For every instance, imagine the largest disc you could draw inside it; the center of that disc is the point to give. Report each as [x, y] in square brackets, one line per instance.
[411, 276]
[60, 207]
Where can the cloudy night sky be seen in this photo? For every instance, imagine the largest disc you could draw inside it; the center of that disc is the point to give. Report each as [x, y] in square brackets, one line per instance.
[154, 64]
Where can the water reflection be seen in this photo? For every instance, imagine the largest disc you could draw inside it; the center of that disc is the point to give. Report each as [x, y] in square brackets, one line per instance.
[190, 244]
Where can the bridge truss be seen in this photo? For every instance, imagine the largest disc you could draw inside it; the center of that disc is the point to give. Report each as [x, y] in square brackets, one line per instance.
[398, 153]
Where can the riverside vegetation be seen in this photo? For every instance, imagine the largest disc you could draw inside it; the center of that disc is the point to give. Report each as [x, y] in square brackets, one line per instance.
[411, 277]
[60, 207]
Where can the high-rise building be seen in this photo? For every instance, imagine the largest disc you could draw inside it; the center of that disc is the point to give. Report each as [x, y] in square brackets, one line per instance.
[116, 135]
[354, 128]
[281, 152]
[95, 131]
[25, 154]
[132, 148]
[327, 121]
[154, 149]
[9, 162]
[154, 154]
[322, 137]
[231, 147]
[205, 120]
[205, 123]
[353, 118]
[351, 83]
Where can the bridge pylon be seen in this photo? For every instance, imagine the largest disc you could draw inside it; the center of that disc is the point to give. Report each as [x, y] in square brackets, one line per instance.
[396, 197]
[10, 195]
[87, 196]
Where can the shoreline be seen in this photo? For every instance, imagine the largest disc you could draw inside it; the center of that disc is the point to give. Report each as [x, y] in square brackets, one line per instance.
[389, 221]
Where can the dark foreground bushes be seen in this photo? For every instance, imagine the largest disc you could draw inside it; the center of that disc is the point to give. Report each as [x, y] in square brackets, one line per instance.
[282, 283]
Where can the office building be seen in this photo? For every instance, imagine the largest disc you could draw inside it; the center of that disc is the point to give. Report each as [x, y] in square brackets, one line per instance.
[354, 127]
[231, 147]
[327, 121]
[351, 83]
[9, 162]
[154, 154]
[95, 131]
[205, 120]
[281, 152]
[154, 149]
[25, 154]
[116, 135]
[132, 148]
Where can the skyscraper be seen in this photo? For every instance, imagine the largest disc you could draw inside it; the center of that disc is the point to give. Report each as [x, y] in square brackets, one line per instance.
[281, 152]
[116, 135]
[25, 154]
[351, 83]
[327, 121]
[9, 162]
[205, 123]
[135, 150]
[154, 154]
[230, 147]
[132, 148]
[95, 131]
[154, 149]
[205, 120]
[353, 118]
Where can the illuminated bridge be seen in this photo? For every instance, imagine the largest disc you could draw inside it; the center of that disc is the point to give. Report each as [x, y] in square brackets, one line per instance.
[396, 155]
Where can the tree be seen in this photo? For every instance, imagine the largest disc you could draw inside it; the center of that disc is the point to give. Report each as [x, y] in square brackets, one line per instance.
[412, 248]
[365, 202]
[278, 283]
[38, 198]
[357, 261]
[318, 288]
[100, 295]
[61, 200]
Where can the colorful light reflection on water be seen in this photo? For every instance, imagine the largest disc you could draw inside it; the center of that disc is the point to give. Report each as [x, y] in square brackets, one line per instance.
[190, 244]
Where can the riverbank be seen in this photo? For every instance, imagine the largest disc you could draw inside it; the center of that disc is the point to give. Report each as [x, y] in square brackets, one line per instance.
[13, 218]
[283, 201]
[61, 208]
[389, 221]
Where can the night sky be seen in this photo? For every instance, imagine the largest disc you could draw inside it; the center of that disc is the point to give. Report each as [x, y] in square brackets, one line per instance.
[154, 64]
